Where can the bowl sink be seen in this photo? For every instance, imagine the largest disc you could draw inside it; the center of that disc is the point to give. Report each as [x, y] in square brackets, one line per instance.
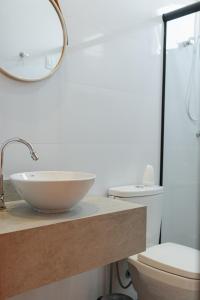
[52, 191]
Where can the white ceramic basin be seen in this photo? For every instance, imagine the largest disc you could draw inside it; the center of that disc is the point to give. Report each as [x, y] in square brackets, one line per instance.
[52, 191]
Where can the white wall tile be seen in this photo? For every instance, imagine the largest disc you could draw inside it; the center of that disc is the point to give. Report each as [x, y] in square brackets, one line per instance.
[100, 112]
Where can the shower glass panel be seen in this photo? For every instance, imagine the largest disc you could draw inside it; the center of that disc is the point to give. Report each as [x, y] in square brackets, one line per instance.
[181, 160]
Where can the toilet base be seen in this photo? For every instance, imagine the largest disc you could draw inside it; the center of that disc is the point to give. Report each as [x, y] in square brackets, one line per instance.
[153, 284]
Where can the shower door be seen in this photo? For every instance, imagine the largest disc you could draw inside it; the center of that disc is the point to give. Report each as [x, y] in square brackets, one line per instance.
[181, 131]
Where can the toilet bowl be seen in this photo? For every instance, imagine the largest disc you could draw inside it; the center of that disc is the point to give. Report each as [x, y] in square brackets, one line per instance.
[166, 272]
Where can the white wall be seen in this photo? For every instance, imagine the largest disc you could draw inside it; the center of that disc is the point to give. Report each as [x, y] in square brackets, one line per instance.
[100, 112]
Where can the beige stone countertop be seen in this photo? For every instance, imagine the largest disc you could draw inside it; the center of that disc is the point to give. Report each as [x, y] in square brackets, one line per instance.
[20, 216]
[38, 249]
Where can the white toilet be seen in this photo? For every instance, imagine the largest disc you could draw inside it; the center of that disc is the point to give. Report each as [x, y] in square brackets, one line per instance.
[163, 272]
[166, 272]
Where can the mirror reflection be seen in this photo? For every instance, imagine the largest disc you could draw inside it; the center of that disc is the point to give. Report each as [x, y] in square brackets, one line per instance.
[33, 38]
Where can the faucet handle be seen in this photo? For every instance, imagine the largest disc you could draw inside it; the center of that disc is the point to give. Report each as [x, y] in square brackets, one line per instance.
[2, 202]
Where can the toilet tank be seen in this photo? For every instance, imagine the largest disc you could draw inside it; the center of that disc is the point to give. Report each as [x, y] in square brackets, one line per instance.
[150, 196]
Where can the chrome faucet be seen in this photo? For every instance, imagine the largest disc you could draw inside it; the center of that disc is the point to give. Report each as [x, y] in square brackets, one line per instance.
[34, 156]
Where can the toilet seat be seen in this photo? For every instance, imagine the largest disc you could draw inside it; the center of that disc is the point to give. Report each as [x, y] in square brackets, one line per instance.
[173, 258]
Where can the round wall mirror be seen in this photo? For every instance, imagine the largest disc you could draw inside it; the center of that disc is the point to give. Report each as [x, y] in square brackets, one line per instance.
[33, 38]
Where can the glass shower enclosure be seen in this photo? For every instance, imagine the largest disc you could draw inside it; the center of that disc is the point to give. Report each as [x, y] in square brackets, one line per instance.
[181, 131]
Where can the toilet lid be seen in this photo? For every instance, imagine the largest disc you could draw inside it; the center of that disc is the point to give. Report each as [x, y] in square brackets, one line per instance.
[130, 191]
[173, 258]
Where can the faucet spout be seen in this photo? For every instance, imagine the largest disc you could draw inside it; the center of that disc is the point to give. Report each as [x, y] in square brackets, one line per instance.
[33, 154]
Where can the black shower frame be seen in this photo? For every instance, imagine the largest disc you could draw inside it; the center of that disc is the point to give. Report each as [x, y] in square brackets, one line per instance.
[169, 17]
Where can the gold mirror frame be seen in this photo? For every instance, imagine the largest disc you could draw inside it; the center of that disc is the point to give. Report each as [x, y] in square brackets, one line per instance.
[57, 7]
